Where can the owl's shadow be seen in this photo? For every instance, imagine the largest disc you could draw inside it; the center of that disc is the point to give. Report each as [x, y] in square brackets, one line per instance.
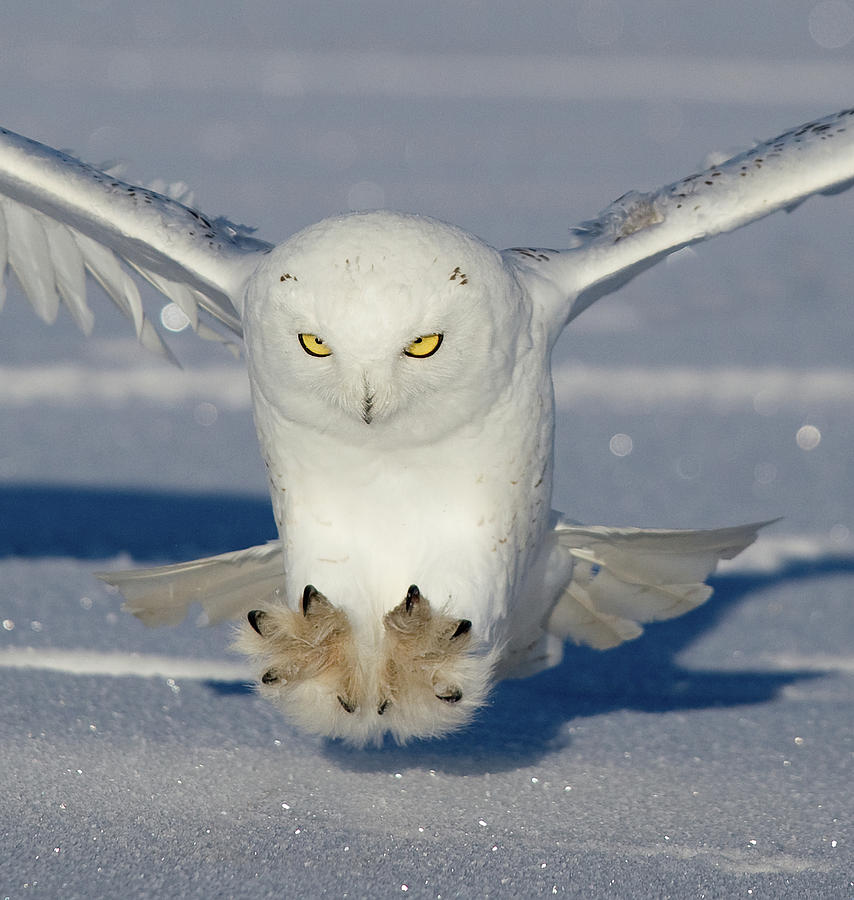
[527, 719]
[524, 720]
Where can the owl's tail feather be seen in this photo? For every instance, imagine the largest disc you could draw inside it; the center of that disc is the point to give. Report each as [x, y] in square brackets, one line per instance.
[227, 586]
[623, 577]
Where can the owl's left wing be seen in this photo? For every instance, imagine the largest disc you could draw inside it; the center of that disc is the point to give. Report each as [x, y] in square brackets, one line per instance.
[623, 578]
[639, 229]
[61, 219]
[227, 586]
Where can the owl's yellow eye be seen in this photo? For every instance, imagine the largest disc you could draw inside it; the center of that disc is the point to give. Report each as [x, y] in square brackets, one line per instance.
[426, 345]
[313, 345]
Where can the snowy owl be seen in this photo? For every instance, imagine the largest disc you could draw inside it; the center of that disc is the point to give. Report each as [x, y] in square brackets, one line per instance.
[402, 394]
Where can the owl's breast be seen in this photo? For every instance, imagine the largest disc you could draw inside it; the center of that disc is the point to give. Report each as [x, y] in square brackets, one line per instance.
[460, 519]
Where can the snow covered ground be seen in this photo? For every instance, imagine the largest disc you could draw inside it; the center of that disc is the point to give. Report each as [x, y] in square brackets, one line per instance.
[713, 757]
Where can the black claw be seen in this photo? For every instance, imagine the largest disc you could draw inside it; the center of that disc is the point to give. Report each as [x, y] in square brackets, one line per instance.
[348, 707]
[308, 595]
[255, 617]
[463, 628]
[413, 595]
[383, 707]
[454, 697]
[269, 677]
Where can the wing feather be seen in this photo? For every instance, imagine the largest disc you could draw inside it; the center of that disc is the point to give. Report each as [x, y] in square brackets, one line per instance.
[61, 219]
[29, 259]
[181, 295]
[69, 272]
[639, 229]
[227, 586]
[4, 257]
[105, 268]
[625, 577]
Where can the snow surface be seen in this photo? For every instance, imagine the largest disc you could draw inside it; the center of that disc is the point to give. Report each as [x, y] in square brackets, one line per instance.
[711, 758]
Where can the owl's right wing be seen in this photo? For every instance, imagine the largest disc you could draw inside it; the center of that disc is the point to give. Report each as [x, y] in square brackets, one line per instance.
[639, 229]
[61, 219]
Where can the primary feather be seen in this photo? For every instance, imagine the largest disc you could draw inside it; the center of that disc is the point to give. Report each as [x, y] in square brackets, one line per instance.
[61, 218]
[639, 229]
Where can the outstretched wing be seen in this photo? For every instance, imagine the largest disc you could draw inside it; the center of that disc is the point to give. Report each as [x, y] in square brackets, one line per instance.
[227, 586]
[639, 229]
[625, 577]
[60, 218]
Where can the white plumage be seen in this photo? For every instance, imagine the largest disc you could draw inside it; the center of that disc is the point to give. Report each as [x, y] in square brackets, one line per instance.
[400, 371]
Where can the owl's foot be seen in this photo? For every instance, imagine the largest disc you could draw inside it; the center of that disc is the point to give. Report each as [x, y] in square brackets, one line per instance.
[302, 645]
[418, 677]
[421, 648]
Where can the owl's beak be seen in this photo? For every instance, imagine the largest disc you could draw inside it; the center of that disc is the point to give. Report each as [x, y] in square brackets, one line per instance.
[367, 403]
[367, 406]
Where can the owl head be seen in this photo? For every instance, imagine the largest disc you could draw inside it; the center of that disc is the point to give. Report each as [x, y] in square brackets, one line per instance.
[382, 324]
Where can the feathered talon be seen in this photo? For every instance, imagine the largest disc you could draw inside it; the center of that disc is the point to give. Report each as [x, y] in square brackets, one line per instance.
[413, 595]
[346, 705]
[416, 677]
[463, 628]
[453, 695]
[295, 648]
[255, 617]
[427, 659]
[308, 596]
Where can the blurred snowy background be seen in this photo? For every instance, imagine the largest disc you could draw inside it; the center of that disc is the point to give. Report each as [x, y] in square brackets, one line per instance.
[711, 758]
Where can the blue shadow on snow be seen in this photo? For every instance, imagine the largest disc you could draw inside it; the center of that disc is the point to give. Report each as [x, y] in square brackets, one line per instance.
[523, 719]
[150, 526]
[527, 718]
